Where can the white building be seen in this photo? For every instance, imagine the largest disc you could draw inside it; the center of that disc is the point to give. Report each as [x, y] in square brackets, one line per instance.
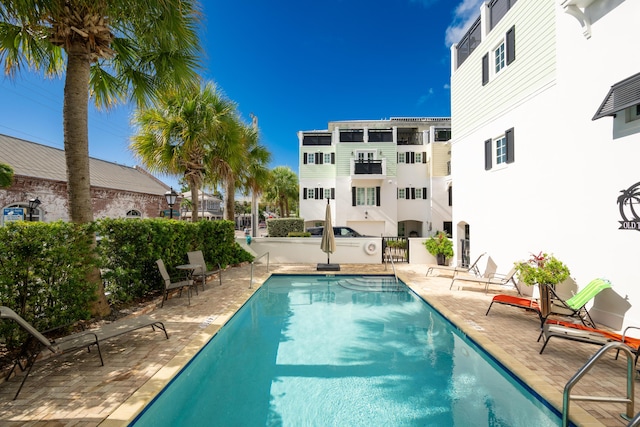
[545, 99]
[382, 177]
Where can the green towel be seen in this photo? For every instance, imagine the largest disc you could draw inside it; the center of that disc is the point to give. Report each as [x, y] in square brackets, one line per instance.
[586, 294]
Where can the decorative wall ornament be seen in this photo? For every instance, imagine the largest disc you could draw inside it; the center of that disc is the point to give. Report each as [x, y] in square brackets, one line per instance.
[629, 205]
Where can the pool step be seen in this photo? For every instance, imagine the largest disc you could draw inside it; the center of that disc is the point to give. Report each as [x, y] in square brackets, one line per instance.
[371, 284]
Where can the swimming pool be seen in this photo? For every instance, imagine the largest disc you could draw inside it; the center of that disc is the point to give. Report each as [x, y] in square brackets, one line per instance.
[342, 351]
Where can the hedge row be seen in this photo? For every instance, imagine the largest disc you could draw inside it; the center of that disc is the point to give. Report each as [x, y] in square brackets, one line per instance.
[43, 266]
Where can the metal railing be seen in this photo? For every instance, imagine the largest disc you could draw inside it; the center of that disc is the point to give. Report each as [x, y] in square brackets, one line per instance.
[253, 262]
[393, 266]
[629, 400]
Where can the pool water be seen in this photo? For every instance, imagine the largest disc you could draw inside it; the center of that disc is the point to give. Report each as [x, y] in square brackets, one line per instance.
[342, 351]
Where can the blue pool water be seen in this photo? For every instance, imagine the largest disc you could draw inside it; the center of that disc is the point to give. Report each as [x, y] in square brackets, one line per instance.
[343, 351]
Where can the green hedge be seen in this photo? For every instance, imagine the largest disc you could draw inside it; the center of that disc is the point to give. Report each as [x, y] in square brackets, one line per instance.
[129, 250]
[42, 274]
[43, 266]
[281, 227]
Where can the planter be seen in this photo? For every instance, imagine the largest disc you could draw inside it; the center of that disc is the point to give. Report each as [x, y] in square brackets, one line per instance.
[441, 259]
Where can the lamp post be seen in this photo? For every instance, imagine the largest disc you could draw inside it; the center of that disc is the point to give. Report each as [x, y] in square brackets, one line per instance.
[171, 197]
[33, 204]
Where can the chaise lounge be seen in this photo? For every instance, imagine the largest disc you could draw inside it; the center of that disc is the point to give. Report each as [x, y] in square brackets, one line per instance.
[37, 342]
[472, 269]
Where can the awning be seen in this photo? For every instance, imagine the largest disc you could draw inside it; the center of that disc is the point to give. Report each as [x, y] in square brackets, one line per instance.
[622, 95]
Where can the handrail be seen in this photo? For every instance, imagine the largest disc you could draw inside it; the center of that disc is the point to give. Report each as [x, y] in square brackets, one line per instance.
[253, 262]
[629, 400]
[393, 266]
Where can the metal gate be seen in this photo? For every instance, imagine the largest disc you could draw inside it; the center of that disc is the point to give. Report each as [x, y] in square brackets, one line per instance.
[396, 248]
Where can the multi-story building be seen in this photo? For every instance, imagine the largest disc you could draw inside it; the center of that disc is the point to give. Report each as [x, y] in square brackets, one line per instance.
[381, 177]
[545, 101]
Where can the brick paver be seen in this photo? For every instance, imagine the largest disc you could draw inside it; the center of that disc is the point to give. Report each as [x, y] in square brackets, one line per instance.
[74, 390]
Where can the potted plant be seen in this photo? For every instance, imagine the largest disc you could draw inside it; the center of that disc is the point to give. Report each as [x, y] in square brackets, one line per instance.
[543, 270]
[440, 246]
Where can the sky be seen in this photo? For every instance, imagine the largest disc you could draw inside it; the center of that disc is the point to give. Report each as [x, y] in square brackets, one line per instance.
[296, 65]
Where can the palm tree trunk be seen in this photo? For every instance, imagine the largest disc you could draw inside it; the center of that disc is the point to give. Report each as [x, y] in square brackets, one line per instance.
[230, 200]
[194, 200]
[76, 148]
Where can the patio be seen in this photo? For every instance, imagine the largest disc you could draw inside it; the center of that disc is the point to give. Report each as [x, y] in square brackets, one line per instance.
[74, 390]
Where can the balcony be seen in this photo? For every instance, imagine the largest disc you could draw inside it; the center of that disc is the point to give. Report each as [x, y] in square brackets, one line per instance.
[368, 169]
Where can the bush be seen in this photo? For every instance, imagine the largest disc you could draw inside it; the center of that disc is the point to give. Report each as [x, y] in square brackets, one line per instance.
[299, 234]
[281, 227]
[439, 244]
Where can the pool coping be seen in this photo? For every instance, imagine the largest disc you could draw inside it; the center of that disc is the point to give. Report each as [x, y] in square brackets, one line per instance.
[135, 404]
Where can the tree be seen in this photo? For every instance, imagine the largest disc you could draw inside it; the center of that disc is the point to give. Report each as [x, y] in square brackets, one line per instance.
[179, 135]
[256, 173]
[114, 50]
[283, 188]
[6, 175]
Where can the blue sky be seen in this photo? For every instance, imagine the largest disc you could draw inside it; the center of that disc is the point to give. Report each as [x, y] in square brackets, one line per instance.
[295, 65]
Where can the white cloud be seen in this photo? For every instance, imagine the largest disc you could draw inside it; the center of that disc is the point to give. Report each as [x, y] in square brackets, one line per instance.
[463, 16]
[446, 86]
[425, 97]
[425, 3]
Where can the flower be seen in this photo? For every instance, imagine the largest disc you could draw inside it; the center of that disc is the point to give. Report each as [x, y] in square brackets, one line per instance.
[542, 269]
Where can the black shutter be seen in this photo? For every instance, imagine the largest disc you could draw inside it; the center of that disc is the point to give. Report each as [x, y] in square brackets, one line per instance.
[397, 193]
[353, 196]
[485, 69]
[407, 193]
[377, 196]
[413, 157]
[333, 158]
[304, 158]
[510, 146]
[304, 192]
[406, 157]
[321, 193]
[319, 158]
[333, 193]
[487, 154]
[413, 193]
[424, 192]
[424, 157]
[511, 45]
[315, 193]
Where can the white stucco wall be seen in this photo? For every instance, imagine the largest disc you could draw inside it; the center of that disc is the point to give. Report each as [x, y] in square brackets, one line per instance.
[560, 194]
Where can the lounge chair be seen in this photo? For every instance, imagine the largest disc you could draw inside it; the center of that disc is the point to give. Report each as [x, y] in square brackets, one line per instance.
[517, 301]
[69, 343]
[489, 270]
[472, 269]
[577, 332]
[169, 285]
[576, 305]
[201, 274]
[492, 279]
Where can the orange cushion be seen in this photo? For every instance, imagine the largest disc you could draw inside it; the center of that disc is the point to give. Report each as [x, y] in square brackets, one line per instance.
[631, 342]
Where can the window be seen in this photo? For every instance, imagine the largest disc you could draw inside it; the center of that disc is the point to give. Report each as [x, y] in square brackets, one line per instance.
[503, 55]
[365, 196]
[379, 135]
[498, 58]
[443, 134]
[319, 158]
[355, 135]
[411, 193]
[316, 140]
[419, 158]
[134, 214]
[499, 151]
[497, 10]
[633, 113]
[364, 156]
[318, 193]
[401, 193]
[401, 157]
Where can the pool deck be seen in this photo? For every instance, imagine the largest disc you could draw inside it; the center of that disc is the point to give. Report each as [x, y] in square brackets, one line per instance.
[74, 390]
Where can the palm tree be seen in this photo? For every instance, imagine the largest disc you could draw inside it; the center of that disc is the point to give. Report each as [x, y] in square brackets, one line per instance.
[6, 175]
[283, 188]
[179, 135]
[114, 50]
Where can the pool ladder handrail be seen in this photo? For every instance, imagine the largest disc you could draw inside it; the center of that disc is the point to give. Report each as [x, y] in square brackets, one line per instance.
[253, 262]
[629, 400]
[393, 266]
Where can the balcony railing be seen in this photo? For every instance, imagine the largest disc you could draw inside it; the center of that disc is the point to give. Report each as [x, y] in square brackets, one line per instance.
[368, 168]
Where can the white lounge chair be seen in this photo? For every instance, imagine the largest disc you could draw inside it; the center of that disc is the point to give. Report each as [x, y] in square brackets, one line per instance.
[472, 269]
